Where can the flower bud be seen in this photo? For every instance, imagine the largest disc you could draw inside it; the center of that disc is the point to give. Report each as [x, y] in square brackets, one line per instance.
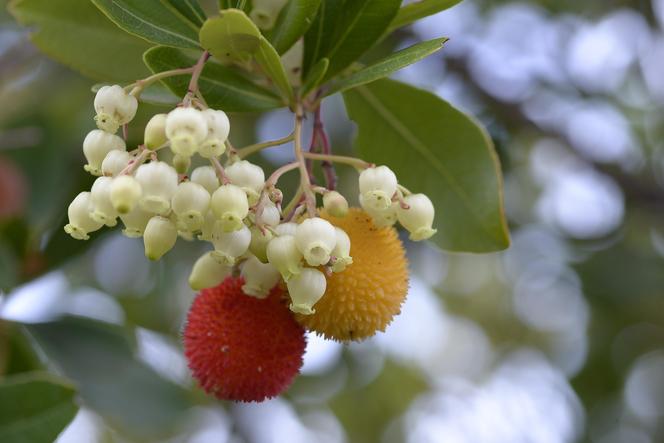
[381, 218]
[159, 237]
[377, 186]
[186, 128]
[114, 162]
[316, 238]
[97, 145]
[80, 222]
[181, 163]
[259, 278]
[418, 218]
[159, 181]
[135, 222]
[248, 176]
[341, 253]
[206, 177]
[230, 205]
[218, 129]
[335, 204]
[288, 228]
[282, 252]
[114, 107]
[292, 61]
[230, 245]
[102, 207]
[125, 193]
[208, 272]
[190, 203]
[270, 215]
[259, 241]
[155, 132]
[305, 289]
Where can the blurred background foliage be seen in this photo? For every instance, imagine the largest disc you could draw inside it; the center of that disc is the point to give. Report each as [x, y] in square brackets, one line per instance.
[558, 339]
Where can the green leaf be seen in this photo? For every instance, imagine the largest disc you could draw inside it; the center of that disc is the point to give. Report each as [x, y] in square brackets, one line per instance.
[269, 61]
[78, 35]
[149, 19]
[389, 64]
[293, 21]
[222, 87]
[437, 150]
[230, 37]
[99, 358]
[315, 76]
[420, 9]
[190, 9]
[35, 407]
[347, 31]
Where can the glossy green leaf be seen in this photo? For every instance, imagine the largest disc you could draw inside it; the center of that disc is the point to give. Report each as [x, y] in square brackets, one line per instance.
[231, 36]
[437, 150]
[99, 358]
[314, 77]
[345, 30]
[222, 87]
[419, 9]
[269, 61]
[315, 43]
[151, 20]
[389, 64]
[78, 35]
[190, 9]
[293, 21]
[35, 408]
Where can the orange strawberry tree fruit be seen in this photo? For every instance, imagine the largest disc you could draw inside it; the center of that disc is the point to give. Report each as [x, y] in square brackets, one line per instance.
[280, 262]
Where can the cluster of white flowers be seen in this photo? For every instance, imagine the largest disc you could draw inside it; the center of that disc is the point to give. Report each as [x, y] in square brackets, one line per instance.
[386, 202]
[161, 201]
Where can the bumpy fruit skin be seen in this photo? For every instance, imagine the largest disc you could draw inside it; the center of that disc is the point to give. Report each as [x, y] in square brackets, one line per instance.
[242, 348]
[365, 297]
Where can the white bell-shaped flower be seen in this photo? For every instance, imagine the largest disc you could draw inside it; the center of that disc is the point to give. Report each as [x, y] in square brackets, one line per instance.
[102, 207]
[190, 203]
[341, 253]
[231, 206]
[228, 246]
[114, 107]
[209, 225]
[80, 221]
[305, 289]
[96, 146]
[159, 181]
[114, 162]
[155, 132]
[270, 215]
[218, 130]
[259, 278]
[418, 218]
[186, 128]
[208, 272]
[288, 228]
[206, 177]
[125, 193]
[282, 252]
[135, 222]
[335, 204]
[248, 176]
[382, 218]
[159, 237]
[377, 186]
[316, 238]
[181, 163]
[259, 241]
